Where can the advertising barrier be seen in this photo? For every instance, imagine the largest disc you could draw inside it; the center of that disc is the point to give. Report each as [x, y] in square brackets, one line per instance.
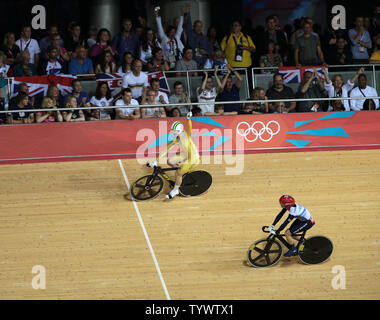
[212, 135]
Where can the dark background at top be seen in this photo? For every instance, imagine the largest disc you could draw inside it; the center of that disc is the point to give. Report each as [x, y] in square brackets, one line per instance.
[15, 13]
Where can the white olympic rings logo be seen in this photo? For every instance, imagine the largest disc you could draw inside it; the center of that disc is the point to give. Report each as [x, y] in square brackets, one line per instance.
[258, 133]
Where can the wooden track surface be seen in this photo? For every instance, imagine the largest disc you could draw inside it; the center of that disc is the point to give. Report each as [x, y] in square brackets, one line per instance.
[72, 218]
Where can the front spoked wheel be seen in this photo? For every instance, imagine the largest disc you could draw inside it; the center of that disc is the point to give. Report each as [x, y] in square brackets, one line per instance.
[315, 250]
[146, 188]
[264, 253]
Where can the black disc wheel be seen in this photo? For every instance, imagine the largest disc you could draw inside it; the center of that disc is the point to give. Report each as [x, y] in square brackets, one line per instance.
[315, 250]
[264, 253]
[195, 183]
[146, 188]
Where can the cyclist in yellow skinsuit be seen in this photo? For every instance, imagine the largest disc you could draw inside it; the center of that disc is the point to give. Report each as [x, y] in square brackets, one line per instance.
[186, 159]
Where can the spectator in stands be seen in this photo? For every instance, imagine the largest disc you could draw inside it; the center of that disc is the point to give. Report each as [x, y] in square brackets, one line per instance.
[270, 59]
[54, 93]
[27, 43]
[73, 115]
[22, 88]
[126, 64]
[81, 64]
[375, 57]
[149, 96]
[103, 42]
[179, 96]
[360, 42]
[339, 53]
[91, 40]
[74, 40]
[5, 69]
[369, 104]
[22, 103]
[161, 97]
[308, 50]
[63, 56]
[212, 38]
[106, 65]
[362, 90]
[238, 47]
[197, 40]
[126, 40]
[275, 36]
[147, 44]
[207, 93]
[171, 40]
[337, 88]
[83, 100]
[256, 107]
[197, 112]
[136, 80]
[186, 63]
[279, 107]
[48, 116]
[130, 113]
[158, 61]
[11, 50]
[279, 91]
[374, 32]
[308, 89]
[51, 65]
[230, 90]
[175, 113]
[101, 99]
[219, 111]
[47, 41]
[217, 60]
[3, 107]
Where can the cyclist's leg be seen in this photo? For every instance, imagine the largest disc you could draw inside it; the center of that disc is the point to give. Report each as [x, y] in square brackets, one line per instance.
[176, 161]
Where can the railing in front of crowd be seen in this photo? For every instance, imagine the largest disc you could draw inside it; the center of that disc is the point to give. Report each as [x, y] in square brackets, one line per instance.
[193, 104]
[373, 66]
[188, 72]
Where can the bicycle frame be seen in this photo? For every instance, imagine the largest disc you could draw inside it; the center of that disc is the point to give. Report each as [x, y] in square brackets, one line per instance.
[282, 239]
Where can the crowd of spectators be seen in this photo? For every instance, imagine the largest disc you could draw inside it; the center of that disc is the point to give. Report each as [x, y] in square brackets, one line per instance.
[138, 49]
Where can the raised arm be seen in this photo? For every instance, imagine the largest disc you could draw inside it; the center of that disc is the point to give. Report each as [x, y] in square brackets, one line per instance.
[180, 27]
[161, 31]
[219, 89]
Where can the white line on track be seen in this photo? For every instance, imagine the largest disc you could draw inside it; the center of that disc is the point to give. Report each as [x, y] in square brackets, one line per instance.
[145, 234]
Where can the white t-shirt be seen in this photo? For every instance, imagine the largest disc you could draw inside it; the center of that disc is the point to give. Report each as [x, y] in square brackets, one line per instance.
[126, 111]
[300, 213]
[345, 89]
[31, 45]
[207, 96]
[103, 102]
[136, 84]
[53, 67]
[166, 99]
[357, 105]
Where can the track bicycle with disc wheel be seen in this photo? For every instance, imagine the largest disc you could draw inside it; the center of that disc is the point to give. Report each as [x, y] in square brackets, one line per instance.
[148, 187]
[267, 252]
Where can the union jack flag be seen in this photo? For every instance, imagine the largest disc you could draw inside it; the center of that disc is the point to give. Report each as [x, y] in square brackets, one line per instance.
[294, 75]
[38, 85]
[115, 81]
